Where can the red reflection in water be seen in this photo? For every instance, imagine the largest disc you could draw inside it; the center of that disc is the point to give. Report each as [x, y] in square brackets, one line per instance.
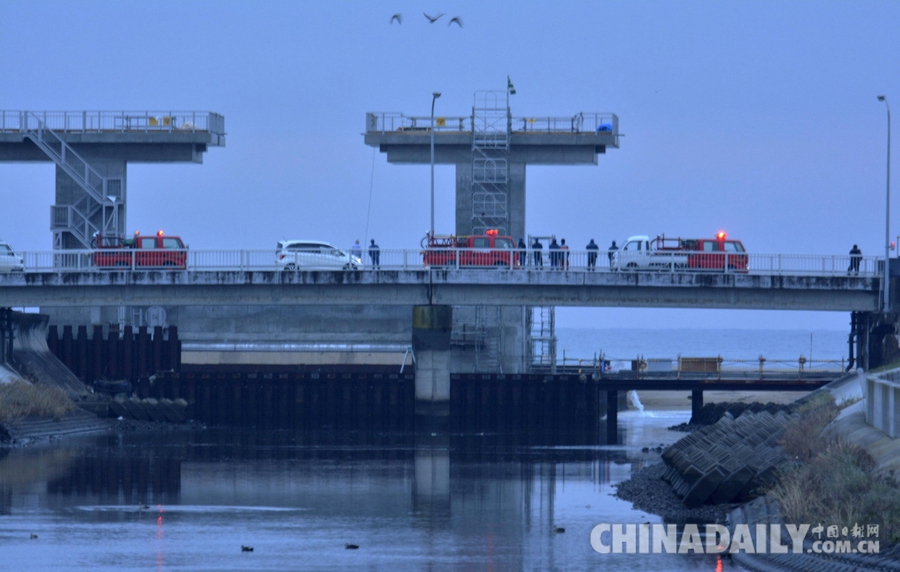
[719, 564]
[160, 555]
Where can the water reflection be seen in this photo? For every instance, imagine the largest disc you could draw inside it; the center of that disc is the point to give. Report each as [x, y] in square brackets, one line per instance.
[410, 501]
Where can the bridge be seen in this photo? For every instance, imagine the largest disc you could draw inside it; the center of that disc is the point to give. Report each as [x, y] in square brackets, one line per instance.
[250, 277]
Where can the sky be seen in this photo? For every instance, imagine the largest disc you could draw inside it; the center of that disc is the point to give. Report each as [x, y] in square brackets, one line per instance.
[758, 118]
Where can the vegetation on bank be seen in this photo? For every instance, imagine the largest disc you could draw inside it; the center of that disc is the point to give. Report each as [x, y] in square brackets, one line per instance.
[833, 481]
[21, 399]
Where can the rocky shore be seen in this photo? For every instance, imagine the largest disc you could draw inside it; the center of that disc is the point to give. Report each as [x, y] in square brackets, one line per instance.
[33, 430]
[649, 493]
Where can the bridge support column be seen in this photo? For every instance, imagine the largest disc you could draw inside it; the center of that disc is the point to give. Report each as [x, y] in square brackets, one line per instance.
[876, 339]
[515, 207]
[612, 417]
[431, 342]
[6, 337]
[696, 404]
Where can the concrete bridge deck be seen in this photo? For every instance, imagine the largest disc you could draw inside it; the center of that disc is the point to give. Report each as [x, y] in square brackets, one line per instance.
[452, 287]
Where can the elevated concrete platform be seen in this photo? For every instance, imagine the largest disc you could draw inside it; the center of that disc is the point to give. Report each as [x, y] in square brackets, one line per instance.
[446, 287]
[91, 151]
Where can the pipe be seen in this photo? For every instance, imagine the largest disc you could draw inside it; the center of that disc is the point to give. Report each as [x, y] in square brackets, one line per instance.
[289, 347]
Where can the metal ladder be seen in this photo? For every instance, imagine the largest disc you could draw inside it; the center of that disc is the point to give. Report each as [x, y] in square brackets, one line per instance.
[490, 162]
[98, 210]
[487, 339]
[542, 337]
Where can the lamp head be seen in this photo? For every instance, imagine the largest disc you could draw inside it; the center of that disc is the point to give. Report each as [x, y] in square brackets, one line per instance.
[436, 94]
[880, 98]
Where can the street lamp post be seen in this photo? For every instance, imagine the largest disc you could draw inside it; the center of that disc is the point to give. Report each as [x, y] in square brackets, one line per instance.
[434, 97]
[887, 215]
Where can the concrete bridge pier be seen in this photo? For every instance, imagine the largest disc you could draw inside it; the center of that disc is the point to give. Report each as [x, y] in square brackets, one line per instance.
[696, 404]
[431, 330]
[876, 338]
[612, 417]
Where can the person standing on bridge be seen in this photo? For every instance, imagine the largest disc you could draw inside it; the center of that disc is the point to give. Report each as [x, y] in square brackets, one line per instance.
[592, 250]
[855, 259]
[375, 254]
[563, 255]
[522, 254]
[538, 254]
[554, 253]
[612, 253]
[356, 250]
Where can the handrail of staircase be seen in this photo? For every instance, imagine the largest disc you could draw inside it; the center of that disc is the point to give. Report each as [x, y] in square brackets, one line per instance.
[60, 159]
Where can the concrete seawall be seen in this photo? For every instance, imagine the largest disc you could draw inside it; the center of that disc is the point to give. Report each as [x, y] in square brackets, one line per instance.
[32, 359]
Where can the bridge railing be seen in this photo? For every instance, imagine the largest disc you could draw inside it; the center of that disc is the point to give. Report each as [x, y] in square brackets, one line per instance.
[714, 367]
[113, 121]
[383, 122]
[547, 262]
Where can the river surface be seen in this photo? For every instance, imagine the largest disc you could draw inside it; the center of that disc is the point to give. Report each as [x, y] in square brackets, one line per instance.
[189, 500]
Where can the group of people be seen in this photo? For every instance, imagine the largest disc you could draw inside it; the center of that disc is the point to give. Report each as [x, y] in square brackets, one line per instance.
[374, 252]
[559, 253]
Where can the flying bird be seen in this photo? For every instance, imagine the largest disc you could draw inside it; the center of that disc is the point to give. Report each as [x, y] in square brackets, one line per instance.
[433, 20]
[398, 17]
[246, 548]
[457, 20]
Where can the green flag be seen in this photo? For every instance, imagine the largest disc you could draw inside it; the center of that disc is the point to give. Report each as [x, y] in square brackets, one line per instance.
[509, 86]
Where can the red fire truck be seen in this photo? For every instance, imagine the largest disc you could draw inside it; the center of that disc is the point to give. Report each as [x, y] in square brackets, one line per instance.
[701, 254]
[488, 249]
[153, 251]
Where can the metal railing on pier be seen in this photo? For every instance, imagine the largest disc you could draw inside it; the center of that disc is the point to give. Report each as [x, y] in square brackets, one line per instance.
[113, 121]
[713, 367]
[386, 122]
[572, 261]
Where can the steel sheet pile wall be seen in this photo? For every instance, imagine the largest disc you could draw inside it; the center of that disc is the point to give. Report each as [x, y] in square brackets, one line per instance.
[118, 355]
[365, 400]
[299, 400]
[523, 402]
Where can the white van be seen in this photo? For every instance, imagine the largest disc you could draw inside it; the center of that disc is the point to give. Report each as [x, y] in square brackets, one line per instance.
[9, 260]
[313, 255]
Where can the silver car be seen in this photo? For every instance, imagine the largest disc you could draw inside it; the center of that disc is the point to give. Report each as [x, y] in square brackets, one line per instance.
[313, 255]
[9, 260]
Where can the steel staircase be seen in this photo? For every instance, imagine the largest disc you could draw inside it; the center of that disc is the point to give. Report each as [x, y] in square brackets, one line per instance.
[97, 210]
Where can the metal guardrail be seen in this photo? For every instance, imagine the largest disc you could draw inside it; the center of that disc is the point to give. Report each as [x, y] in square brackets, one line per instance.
[412, 259]
[386, 122]
[713, 367]
[113, 121]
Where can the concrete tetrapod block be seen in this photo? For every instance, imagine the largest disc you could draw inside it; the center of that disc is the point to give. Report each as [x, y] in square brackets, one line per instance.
[732, 484]
[757, 485]
[151, 406]
[168, 409]
[133, 404]
[182, 407]
[117, 408]
[703, 489]
[700, 465]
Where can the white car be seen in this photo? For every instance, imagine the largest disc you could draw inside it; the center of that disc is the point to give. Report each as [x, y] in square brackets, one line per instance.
[9, 260]
[313, 255]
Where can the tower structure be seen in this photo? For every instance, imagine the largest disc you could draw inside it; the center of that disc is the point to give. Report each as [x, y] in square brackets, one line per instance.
[91, 150]
[490, 149]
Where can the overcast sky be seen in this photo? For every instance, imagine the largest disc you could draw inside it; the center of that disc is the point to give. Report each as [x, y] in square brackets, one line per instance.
[759, 118]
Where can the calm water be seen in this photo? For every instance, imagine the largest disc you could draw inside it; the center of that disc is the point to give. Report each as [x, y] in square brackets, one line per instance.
[410, 501]
[432, 502]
